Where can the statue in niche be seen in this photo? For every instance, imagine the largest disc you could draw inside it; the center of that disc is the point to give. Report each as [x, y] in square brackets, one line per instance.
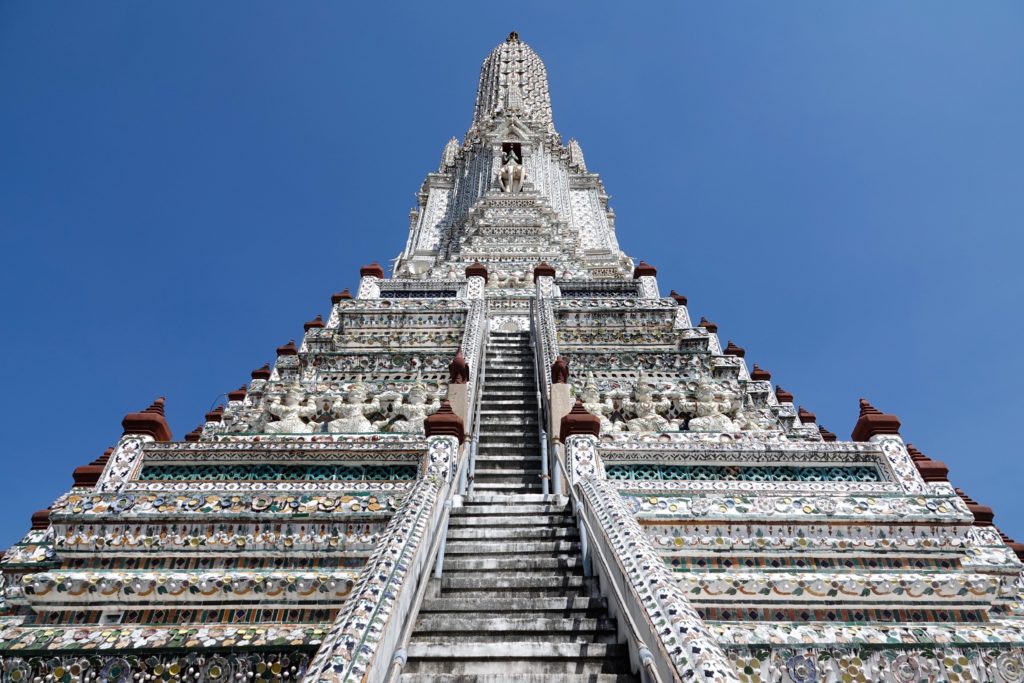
[512, 172]
[648, 410]
[292, 412]
[711, 407]
[352, 411]
[414, 410]
[591, 399]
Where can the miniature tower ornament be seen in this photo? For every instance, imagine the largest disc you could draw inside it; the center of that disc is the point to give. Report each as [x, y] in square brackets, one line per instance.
[513, 459]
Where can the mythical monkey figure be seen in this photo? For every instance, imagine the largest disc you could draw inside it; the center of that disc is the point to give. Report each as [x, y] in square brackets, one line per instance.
[711, 407]
[414, 410]
[648, 409]
[352, 411]
[292, 412]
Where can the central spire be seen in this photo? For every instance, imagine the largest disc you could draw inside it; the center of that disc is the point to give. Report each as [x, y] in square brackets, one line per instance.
[513, 79]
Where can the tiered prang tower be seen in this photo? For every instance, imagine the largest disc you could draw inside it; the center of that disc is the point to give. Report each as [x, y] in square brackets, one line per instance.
[512, 460]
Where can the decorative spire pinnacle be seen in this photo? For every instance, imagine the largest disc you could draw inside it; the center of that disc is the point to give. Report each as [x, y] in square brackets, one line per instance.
[149, 422]
[579, 421]
[445, 423]
[576, 155]
[983, 514]
[513, 77]
[458, 369]
[644, 269]
[931, 470]
[560, 371]
[872, 422]
[708, 325]
[449, 155]
[733, 350]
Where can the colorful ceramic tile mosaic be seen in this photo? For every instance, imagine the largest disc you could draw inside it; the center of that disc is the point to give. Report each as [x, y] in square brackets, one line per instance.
[286, 538]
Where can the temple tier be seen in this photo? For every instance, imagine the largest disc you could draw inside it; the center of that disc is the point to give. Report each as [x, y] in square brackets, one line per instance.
[513, 459]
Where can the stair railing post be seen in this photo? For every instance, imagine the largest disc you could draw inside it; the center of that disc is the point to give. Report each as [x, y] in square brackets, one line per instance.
[556, 474]
[646, 663]
[584, 541]
[439, 563]
[544, 469]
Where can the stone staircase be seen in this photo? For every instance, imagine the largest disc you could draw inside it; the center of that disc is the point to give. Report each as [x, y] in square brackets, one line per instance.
[513, 604]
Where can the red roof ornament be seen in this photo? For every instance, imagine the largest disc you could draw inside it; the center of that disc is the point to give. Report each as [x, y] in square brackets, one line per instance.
[733, 350]
[445, 423]
[782, 396]
[1017, 548]
[931, 470]
[983, 514]
[708, 325]
[873, 422]
[806, 416]
[644, 269]
[826, 435]
[343, 295]
[41, 519]
[89, 475]
[543, 269]
[560, 371]
[458, 369]
[149, 422]
[579, 421]
[238, 394]
[680, 299]
[316, 322]
[262, 372]
[477, 269]
[288, 349]
[215, 415]
[372, 270]
[195, 434]
[760, 374]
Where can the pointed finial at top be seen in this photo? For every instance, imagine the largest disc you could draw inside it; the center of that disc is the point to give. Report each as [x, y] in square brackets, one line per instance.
[513, 37]
[873, 422]
[149, 422]
[868, 409]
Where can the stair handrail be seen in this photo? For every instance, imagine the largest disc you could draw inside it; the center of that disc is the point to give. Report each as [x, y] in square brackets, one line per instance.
[434, 559]
[401, 655]
[478, 392]
[542, 405]
[435, 552]
[590, 546]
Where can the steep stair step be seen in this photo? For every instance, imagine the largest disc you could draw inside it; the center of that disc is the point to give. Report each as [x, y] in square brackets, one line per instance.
[536, 656]
[521, 564]
[504, 548]
[559, 605]
[511, 534]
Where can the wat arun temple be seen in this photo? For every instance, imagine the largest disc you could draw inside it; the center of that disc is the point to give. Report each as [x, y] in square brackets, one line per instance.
[514, 458]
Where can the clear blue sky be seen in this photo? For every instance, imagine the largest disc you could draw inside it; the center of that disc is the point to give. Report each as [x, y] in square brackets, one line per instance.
[839, 185]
